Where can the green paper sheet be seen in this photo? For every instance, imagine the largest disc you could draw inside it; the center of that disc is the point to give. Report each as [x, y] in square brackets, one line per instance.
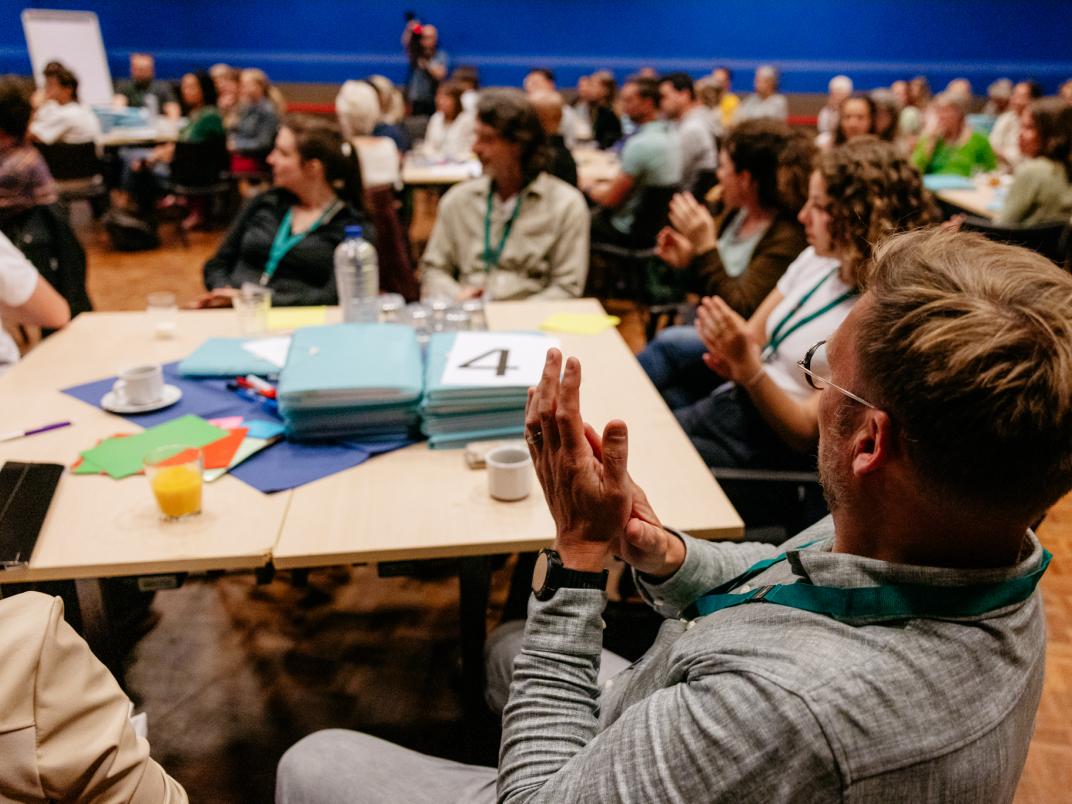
[122, 457]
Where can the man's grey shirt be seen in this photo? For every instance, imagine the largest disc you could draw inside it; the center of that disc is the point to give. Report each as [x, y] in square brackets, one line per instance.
[697, 146]
[761, 702]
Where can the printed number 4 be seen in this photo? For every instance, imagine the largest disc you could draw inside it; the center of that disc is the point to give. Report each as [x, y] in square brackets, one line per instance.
[499, 368]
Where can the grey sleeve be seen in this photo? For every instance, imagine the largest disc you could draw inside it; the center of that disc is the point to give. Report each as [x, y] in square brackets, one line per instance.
[720, 736]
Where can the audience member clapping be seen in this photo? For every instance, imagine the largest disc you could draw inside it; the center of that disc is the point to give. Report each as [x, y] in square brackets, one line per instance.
[1041, 190]
[949, 145]
[765, 101]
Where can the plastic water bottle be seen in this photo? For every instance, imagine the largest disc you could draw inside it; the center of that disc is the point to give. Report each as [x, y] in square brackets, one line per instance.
[357, 277]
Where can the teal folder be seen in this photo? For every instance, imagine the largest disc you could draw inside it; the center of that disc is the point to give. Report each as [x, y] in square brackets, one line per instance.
[225, 357]
[937, 182]
[351, 365]
[438, 396]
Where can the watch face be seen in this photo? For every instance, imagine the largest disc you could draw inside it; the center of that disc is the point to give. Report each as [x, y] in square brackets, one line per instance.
[539, 572]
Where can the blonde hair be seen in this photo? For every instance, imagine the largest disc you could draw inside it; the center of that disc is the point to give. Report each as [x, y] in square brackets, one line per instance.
[967, 343]
[358, 108]
[392, 104]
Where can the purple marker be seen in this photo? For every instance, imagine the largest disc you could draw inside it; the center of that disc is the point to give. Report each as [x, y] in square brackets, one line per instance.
[34, 431]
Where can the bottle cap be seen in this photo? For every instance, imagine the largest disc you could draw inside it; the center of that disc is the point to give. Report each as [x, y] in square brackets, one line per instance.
[354, 231]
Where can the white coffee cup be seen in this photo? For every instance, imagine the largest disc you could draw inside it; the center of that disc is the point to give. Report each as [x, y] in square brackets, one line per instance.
[509, 472]
[140, 385]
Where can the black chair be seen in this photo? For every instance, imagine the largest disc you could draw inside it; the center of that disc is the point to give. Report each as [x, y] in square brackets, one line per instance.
[702, 184]
[1048, 239]
[626, 257]
[774, 503]
[79, 173]
[200, 170]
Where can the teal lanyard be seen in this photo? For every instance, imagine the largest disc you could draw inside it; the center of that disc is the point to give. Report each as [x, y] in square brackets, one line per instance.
[491, 258]
[284, 241]
[780, 332]
[873, 603]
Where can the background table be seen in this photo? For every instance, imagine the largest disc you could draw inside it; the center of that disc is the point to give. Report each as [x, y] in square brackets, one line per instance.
[976, 201]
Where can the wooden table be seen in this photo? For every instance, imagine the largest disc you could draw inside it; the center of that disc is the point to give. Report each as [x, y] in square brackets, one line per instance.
[418, 172]
[976, 201]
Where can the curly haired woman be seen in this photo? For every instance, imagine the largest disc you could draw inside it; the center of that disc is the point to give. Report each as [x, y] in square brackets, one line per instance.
[766, 415]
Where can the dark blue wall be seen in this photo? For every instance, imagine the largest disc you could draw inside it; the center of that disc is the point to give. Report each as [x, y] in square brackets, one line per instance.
[874, 41]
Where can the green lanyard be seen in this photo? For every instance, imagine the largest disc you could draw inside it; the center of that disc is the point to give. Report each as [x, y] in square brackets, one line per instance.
[491, 258]
[284, 241]
[873, 603]
[778, 335]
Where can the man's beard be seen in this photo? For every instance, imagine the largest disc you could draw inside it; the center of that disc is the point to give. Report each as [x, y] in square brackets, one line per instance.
[832, 475]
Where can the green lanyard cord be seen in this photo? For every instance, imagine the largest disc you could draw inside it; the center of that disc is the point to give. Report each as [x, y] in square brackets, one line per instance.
[873, 603]
[284, 241]
[780, 332]
[491, 258]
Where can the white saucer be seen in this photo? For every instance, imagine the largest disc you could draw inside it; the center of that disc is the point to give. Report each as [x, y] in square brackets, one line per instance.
[112, 402]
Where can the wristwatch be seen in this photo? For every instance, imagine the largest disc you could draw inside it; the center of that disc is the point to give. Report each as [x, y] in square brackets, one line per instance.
[550, 575]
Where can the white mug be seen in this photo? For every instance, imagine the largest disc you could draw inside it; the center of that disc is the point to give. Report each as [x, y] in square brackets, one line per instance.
[140, 385]
[509, 472]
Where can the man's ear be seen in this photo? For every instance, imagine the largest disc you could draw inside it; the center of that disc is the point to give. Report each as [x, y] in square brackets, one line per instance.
[873, 443]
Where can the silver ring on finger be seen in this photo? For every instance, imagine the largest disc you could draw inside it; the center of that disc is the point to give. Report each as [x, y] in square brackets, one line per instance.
[535, 438]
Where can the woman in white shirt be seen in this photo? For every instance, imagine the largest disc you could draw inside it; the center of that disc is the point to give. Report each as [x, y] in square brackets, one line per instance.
[61, 118]
[766, 414]
[26, 297]
[451, 130]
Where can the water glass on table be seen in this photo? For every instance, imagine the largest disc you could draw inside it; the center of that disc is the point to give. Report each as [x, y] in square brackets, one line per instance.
[174, 474]
[163, 312]
[252, 303]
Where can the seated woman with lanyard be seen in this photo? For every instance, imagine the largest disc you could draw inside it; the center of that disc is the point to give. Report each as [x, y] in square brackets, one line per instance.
[740, 253]
[285, 238]
[766, 414]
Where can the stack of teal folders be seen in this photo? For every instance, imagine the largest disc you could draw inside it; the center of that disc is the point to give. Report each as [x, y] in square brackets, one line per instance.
[356, 381]
[453, 415]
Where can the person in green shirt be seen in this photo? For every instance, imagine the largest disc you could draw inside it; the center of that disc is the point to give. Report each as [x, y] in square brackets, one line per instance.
[1041, 190]
[952, 146]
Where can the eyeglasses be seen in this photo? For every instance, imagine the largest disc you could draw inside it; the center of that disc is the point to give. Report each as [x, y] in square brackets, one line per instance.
[815, 364]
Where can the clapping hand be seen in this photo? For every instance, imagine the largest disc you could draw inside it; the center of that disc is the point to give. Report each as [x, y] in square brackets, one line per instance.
[731, 350]
[674, 248]
[692, 219]
[597, 507]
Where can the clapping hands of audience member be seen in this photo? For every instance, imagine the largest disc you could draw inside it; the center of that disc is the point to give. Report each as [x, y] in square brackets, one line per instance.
[674, 248]
[691, 218]
[732, 350]
[597, 508]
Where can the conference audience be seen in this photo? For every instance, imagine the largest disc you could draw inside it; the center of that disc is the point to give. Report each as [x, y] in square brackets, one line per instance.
[1041, 189]
[651, 159]
[839, 88]
[998, 95]
[516, 232]
[256, 122]
[227, 80]
[887, 114]
[1005, 136]
[468, 78]
[728, 102]
[358, 108]
[561, 165]
[450, 130]
[894, 651]
[765, 101]
[25, 181]
[602, 119]
[765, 416]
[950, 145]
[427, 67]
[855, 118]
[910, 120]
[695, 132]
[143, 90]
[61, 118]
[26, 297]
[285, 238]
[740, 253]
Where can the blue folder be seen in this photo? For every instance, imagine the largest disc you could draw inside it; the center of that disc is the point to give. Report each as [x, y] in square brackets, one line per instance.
[351, 365]
[225, 357]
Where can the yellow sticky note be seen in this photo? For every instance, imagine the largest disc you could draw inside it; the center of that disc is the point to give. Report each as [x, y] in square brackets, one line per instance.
[580, 323]
[280, 318]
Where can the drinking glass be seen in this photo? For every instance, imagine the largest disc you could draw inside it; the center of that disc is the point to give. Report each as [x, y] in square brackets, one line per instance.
[174, 474]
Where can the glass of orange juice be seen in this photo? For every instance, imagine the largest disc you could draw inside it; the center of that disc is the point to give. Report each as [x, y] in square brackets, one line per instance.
[174, 473]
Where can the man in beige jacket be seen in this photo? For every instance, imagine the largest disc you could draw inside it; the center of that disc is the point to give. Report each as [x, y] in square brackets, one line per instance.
[65, 730]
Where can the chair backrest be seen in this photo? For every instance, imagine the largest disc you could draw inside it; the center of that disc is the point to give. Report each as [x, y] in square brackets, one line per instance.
[200, 164]
[68, 161]
[652, 214]
[1045, 238]
[396, 269]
